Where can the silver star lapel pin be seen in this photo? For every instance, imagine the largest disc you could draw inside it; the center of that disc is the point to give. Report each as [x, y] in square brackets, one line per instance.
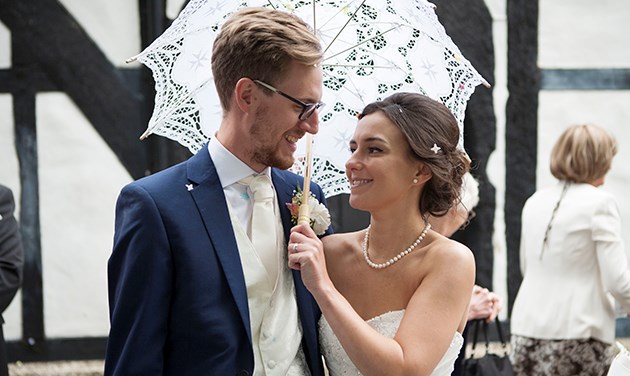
[189, 187]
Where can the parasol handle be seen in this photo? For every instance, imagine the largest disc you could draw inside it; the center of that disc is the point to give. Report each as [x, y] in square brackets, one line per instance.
[304, 215]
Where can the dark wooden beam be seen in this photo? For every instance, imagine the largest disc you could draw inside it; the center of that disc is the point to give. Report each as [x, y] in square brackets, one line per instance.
[521, 132]
[32, 288]
[12, 80]
[162, 152]
[585, 79]
[89, 348]
[46, 35]
[469, 24]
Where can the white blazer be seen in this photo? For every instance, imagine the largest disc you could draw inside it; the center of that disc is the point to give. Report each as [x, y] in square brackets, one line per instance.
[564, 293]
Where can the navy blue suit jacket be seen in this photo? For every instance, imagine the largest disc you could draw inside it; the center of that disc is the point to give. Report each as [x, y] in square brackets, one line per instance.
[177, 295]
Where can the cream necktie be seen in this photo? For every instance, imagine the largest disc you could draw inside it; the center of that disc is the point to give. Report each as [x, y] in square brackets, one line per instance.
[263, 234]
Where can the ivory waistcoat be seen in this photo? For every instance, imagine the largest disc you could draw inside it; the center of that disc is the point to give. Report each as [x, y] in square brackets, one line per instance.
[273, 313]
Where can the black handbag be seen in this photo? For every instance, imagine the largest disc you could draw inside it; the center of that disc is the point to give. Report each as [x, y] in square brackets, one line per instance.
[488, 364]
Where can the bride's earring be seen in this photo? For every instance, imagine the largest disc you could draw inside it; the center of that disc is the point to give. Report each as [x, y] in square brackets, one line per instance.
[415, 181]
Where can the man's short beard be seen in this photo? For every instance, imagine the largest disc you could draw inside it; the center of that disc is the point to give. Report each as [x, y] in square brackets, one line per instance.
[267, 157]
[262, 152]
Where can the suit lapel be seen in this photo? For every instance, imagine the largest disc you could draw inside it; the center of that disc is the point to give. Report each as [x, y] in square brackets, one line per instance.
[307, 308]
[210, 200]
[284, 191]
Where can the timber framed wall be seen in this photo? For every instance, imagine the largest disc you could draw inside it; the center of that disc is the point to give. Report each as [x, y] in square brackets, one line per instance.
[51, 52]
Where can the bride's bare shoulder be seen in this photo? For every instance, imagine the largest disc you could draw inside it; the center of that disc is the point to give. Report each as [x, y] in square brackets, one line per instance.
[343, 242]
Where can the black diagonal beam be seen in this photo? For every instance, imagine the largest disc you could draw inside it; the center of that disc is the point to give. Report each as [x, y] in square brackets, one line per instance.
[50, 52]
[44, 33]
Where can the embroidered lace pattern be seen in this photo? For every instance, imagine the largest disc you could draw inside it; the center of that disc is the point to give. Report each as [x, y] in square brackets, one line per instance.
[386, 47]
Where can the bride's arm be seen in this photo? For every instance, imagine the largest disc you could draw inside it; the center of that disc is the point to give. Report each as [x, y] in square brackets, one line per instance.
[433, 314]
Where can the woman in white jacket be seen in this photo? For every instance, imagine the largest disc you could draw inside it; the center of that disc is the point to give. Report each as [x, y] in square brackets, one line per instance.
[572, 256]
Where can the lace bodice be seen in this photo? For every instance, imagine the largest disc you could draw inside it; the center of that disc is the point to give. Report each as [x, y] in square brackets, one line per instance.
[387, 324]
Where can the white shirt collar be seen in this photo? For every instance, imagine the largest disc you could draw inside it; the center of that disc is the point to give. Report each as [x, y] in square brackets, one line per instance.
[229, 168]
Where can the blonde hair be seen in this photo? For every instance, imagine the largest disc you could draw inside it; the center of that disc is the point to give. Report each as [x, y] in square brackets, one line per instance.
[582, 154]
[260, 43]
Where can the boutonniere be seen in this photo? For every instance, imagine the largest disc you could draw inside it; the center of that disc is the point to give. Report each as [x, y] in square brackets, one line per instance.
[320, 217]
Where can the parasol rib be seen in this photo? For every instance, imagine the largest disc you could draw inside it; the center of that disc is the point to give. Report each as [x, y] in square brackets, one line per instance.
[344, 26]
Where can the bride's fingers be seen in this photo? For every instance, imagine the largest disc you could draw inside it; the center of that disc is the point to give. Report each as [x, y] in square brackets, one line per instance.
[298, 260]
[304, 229]
[293, 263]
[294, 247]
[300, 243]
[297, 237]
[305, 252]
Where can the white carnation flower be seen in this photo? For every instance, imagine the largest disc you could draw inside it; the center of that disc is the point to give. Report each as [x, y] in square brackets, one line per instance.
[320, 217]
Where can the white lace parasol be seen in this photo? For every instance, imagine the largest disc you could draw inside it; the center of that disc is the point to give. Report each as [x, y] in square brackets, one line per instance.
[374, 48]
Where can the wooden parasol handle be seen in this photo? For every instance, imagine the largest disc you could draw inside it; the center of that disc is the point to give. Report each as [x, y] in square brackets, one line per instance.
[304, 215]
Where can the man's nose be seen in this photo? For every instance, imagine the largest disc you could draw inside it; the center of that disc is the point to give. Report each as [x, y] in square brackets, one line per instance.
[311, 125]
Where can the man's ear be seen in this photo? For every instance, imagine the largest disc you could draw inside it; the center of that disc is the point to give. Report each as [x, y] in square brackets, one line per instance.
[245, 93]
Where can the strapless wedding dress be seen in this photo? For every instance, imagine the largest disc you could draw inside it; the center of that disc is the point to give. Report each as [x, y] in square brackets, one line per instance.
[387, 324]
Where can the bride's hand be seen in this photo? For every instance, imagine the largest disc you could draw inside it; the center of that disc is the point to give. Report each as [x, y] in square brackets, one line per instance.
[306, 253]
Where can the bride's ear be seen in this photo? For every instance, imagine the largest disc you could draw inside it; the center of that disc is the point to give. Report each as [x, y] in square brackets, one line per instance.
[422, 175]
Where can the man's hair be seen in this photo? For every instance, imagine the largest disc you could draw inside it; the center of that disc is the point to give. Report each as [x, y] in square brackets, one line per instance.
[426, 122]
[261, 44]
[582, 154]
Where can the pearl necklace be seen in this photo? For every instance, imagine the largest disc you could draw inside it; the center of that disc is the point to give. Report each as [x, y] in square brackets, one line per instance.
[394, 259]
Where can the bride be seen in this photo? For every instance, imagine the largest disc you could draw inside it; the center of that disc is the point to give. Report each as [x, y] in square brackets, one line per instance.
[394, 296]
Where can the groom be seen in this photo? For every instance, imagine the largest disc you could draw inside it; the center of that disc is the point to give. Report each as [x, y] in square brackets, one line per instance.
[190, 291]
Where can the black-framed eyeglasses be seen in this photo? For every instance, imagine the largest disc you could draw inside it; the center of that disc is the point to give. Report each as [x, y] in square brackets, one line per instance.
[307, 108]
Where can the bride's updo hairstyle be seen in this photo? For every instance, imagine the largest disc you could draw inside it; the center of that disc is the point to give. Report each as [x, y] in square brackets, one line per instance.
[426, 122]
